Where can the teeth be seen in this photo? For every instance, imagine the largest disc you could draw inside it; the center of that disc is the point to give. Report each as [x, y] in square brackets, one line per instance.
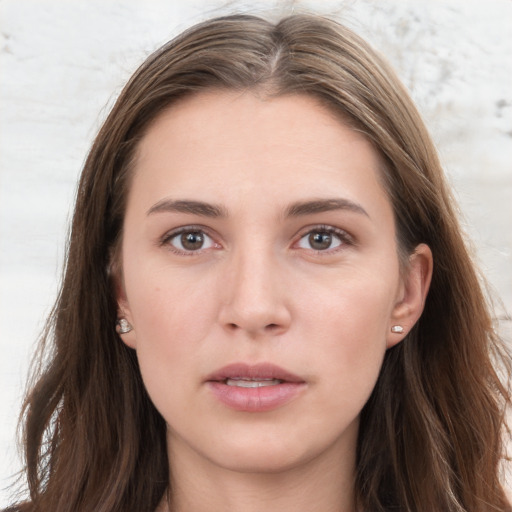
[252, 383]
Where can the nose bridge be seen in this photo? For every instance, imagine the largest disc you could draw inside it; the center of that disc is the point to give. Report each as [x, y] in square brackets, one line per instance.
[255, 298]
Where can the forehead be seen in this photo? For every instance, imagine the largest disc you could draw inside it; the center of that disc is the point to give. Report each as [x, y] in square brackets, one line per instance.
[287, 119]
[221, 145]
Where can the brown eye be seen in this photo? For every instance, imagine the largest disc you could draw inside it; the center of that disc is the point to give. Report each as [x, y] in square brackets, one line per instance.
[323, 239]
[320, 240]
[190, 241]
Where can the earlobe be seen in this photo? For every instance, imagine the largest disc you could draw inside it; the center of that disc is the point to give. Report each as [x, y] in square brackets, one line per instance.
[124, 322]
[416, 284]
[123, 326]
[125, 330]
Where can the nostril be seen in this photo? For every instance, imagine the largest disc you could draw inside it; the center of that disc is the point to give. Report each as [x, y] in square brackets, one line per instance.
[270, 327]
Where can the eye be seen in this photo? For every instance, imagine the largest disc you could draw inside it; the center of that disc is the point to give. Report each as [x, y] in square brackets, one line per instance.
[189, 240]
[323, 239]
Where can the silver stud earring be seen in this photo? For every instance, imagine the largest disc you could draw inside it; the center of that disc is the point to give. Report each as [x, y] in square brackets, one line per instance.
[397, 329]
[123, 326]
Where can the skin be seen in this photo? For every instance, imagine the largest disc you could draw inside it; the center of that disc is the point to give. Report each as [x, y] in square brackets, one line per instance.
[257, 290]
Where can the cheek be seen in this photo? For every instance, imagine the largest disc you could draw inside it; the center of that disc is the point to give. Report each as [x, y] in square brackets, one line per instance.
[171, 332]
[172, 320]
[165, 300]
[347, 323]
[356, 303]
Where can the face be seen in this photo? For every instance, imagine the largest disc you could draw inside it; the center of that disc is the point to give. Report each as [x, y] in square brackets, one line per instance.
[261, 277]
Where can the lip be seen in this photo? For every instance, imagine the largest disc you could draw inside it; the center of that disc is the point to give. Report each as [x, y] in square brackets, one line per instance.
[254, 399]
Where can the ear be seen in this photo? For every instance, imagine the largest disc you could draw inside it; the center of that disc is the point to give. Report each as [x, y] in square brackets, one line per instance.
[124, 311]
[413, 293]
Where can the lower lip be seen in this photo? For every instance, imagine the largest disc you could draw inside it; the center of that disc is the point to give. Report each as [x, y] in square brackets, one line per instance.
[260, 399]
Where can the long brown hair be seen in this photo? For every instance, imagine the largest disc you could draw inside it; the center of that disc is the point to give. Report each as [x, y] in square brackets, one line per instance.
[431, 434]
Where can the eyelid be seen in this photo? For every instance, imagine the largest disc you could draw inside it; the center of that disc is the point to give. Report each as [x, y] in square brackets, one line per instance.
[165, 239]
[343, 235]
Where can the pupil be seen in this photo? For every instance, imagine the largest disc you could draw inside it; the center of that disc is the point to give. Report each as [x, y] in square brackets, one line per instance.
[320, 241]
[192, 241]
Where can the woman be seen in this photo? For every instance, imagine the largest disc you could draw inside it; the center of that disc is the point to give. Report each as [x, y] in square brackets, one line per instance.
[267, 304]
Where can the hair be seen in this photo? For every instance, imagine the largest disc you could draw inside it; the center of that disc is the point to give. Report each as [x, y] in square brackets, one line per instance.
[431, 434]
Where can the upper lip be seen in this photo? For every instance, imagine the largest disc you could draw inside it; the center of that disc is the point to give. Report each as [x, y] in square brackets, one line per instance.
[253, 371]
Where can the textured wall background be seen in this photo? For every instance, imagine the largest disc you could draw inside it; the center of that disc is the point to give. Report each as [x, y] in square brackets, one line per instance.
[63, 63]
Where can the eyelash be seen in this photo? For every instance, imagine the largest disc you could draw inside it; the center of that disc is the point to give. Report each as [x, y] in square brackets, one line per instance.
[343, 237]
[168, 237]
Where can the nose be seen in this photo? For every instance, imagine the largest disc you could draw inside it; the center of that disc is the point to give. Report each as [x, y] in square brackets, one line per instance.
[255, 296]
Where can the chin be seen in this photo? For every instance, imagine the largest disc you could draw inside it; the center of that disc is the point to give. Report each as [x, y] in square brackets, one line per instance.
[268, 453]
[262, 462]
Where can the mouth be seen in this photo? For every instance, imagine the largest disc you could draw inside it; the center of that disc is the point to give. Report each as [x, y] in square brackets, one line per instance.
[266, 373]
[254, 388]
[252, 383]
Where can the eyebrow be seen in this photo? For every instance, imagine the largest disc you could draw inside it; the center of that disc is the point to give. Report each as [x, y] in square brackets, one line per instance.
[323, 205]
[188, 206]
[297, 209]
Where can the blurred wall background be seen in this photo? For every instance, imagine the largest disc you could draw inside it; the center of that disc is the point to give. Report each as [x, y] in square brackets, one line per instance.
[62, 65]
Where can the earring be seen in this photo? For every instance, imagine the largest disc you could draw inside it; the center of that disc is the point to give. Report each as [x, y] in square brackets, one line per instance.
[123, 326]
[397, 329]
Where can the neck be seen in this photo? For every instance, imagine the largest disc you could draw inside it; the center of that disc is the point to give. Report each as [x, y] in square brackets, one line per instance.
[324, 484]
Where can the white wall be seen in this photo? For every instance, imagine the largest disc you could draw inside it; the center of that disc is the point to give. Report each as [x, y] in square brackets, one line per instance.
[62, 64]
